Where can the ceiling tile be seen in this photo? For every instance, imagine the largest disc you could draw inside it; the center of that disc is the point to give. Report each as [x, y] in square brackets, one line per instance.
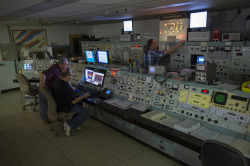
[18, 4]
[73, 7]
[102, 2]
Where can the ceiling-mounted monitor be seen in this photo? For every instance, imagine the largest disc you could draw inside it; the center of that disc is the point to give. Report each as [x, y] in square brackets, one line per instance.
[128, 26]
[198, 19]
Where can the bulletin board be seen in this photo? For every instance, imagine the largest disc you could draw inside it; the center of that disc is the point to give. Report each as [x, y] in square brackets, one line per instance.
[34, 40]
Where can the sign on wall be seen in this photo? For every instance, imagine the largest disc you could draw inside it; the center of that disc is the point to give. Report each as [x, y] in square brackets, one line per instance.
[34, 40]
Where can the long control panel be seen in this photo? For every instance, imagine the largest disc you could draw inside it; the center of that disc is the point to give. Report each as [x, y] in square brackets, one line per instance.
[205, 104]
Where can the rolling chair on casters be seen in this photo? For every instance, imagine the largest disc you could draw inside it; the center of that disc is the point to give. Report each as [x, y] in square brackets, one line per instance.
[52, 109]
[215, 153]
[28, 89]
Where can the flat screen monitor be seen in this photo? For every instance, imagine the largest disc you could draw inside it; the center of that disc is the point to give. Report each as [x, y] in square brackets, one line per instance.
[198, 19]
[97, 78]
[27, 66]
[200, 59]
[102, 57]
[88, 75]
[90, 56]
[128, 26]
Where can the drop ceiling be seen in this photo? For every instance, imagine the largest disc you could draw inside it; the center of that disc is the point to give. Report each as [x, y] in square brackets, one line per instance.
[50, 12]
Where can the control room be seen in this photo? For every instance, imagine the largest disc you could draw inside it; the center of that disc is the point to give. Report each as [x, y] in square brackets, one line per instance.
[125, 82]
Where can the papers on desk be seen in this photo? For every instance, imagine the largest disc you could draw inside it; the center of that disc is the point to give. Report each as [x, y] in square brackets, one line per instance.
[187, 126]
[111, 101]
[153, 115]
[205, 133]
[140, 106]
[227, 86]
[243, 146]
[160, 117]
[119, 103]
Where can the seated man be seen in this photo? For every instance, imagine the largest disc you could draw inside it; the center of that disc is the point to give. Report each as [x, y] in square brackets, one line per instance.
[68, 102]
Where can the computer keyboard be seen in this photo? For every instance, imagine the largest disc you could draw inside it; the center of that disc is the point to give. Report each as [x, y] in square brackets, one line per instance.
[91, 91]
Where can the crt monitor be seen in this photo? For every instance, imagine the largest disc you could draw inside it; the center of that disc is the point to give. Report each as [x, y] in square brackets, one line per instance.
[102, 57]
[88, 75]
[27, 66]
[90, 56]
[97, 78]
[152, 69]
[200, 59]
[198, 19]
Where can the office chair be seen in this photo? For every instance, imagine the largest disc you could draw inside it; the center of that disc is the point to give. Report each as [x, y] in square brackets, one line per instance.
[28, 89]
[215, 153]
[52, 109]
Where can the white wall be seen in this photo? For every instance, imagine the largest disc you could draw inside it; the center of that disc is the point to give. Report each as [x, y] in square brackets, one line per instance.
[4, 35]
[113, 30]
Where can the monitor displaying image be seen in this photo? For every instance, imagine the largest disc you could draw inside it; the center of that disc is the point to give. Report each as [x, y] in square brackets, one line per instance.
[90, 56]
[200, 59]
[198, 20]
[88, 75]
[102, 57]
[97, 78]
[27, 66]
[128, 26]
[151, 69]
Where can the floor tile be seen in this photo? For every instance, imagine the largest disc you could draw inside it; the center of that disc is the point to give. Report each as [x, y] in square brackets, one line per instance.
[7, 156]
[106, 138]
[149, 158]
[122, 164]
[31, 149]
[48, 158]
[79, 147]
[97, 158]
[125, 149]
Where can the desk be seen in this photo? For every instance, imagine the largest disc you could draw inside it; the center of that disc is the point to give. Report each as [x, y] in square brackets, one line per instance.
[109, 115]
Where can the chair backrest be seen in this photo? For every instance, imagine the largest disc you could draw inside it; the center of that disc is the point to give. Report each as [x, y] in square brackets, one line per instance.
[24, 84]
[52, 106]
[215, 153]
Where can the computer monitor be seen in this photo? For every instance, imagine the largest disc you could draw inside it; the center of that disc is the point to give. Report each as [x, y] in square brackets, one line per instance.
[27, 66]
[128, 26]
[97, 78]
[88, 75]
[200, 59]
[198, 19]
[102, 57]
[90, 56]
[152, 69]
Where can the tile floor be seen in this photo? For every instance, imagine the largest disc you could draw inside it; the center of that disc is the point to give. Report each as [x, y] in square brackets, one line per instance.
[26, 141]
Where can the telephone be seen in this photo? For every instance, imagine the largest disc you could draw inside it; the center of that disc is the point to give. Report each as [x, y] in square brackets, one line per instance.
[105, 94]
